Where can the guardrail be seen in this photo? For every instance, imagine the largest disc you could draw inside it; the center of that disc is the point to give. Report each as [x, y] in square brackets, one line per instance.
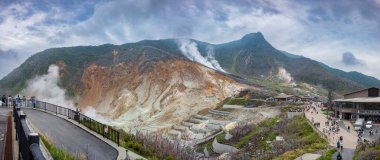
[29, 147]
[102, 129]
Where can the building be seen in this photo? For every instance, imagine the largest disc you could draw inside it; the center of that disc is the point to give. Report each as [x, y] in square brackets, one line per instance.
[287, 98]
[360, 104]
[307, 99]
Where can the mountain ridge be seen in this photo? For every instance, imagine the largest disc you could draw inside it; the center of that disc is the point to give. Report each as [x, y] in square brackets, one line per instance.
[251, 56]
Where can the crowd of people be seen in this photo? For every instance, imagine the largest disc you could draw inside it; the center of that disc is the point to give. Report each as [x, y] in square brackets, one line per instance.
[17, 101]
[360, 133]
[331, 128]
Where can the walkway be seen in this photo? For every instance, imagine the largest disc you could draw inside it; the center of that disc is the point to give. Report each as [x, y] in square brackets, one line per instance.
[70, 137]
[349, 138]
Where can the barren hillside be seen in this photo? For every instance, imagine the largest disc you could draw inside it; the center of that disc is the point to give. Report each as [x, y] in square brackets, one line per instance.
[153, 95]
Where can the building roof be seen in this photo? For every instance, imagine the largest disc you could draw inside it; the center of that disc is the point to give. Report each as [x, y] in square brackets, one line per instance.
[283, 95]
[307, 97]
[360, 100]
[359, 91]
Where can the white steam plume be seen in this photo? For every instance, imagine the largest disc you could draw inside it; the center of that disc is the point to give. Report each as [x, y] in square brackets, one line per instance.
[190, 50]
[211, 58]
[91, 112]
[284, 75]
[45, 88]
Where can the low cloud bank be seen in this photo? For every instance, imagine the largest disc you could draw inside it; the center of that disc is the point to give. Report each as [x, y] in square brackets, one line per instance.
[348, 58]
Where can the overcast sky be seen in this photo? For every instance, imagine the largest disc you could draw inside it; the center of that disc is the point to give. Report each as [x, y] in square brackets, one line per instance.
[342, 34]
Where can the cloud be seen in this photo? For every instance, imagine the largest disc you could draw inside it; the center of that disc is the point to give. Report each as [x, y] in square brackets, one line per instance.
[315, 29]
[349, 58]
[8, 61]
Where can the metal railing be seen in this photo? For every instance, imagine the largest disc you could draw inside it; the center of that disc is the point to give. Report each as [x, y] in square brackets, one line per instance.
[102, 129]
[321, 134]
[28, 142]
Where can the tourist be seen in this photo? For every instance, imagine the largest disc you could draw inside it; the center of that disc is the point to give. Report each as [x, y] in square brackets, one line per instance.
[24, 101]
[18, 101]
[3, 100]
[10, 100]
[341, 145]
[339, 156]
[337, 144]
[33, 99]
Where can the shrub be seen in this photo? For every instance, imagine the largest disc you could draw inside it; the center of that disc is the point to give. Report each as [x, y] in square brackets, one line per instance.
[241, 129]
[328, 154]
[155, 146]
[55, 152]
[245, 140]
[237, 101]
[370, 154]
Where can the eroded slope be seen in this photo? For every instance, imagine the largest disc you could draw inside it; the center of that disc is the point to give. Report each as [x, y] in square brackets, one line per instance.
[155, 94]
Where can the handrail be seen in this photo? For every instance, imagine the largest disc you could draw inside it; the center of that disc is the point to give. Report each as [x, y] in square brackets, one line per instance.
[321, 134]
[28, 141]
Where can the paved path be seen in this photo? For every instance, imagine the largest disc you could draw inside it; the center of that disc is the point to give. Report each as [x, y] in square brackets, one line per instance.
[70, 137]
[349, 138]
[308, 156]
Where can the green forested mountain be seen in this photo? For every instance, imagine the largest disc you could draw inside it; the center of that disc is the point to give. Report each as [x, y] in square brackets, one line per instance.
[250, 57]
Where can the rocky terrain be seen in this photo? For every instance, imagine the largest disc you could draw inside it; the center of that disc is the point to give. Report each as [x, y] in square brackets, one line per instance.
[153, 96]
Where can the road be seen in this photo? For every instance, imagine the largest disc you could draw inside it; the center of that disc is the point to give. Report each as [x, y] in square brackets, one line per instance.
[66, 135]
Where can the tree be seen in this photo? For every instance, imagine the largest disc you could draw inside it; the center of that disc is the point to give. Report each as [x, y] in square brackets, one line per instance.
[330, 98]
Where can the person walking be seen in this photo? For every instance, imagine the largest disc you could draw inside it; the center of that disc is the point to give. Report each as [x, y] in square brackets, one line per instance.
[3, 100]
[348, 128]
[24, 101]
[34, 101]
[10, 101]
[18, 101]
[339, 156]
[338, 144]
[341, 145]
